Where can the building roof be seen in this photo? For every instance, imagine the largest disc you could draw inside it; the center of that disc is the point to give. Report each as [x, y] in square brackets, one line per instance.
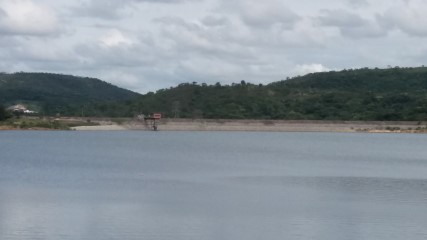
[18, 107]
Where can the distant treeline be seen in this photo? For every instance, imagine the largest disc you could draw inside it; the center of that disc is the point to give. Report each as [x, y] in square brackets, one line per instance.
[357, 94]
[362, 94]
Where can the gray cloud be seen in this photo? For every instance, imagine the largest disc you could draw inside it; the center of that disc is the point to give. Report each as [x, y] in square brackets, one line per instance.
[145, 45]
[114, 9]
[215, 21]
[351, 24]
[408, 16]
[358, 3]
[340, 18]
[262, 14]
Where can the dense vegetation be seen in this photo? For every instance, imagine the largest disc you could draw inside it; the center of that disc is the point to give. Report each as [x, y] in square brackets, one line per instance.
[362, 94]
[3, 114]
[51, 94]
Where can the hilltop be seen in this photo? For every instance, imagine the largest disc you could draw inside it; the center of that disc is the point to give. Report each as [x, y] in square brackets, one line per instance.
[50, 94]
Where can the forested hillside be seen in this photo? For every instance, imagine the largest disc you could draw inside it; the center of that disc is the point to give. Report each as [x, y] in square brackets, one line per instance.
[363, 94]
[51, 94]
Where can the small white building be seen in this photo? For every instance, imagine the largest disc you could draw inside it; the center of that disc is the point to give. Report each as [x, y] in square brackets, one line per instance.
[17, 108]
[20, 108]
[29, 112]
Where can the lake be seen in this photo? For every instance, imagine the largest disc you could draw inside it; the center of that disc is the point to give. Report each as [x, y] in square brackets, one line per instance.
[212, 185]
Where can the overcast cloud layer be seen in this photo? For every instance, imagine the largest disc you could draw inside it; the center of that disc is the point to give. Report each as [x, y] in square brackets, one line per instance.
[144, 45]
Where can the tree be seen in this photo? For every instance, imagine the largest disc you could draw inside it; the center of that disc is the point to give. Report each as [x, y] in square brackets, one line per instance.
[176, 105]
[3, 113]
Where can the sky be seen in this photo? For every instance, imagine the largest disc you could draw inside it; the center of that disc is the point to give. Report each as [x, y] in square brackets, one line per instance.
[145, 45]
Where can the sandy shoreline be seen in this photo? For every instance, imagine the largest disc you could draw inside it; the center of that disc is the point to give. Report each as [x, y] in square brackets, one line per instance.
[259, 125]
[113, 127]
[129, 124]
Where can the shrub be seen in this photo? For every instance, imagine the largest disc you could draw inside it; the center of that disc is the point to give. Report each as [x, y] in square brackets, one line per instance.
[3, 113]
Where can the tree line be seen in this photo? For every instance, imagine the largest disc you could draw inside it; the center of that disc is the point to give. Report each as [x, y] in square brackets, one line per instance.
[354, 94]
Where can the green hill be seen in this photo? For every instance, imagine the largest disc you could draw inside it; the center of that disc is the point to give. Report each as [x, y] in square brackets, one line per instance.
[362, 94]
[55, 93]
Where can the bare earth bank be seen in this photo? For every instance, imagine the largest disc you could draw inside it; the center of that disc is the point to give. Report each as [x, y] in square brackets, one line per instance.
[259, 125]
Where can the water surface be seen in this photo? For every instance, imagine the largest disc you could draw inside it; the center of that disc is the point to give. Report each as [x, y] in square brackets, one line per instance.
[212, 185]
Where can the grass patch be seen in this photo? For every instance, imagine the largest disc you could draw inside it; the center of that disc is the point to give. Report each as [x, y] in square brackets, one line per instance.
[29, 124]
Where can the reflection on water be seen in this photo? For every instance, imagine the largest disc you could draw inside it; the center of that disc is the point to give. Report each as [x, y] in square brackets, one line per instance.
[144, 185]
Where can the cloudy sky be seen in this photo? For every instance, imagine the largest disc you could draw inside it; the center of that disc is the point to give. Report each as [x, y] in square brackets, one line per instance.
[144, 45]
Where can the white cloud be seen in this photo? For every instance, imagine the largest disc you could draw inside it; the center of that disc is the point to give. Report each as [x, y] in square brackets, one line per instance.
[310, 68]
[26, 17]
[115, 38]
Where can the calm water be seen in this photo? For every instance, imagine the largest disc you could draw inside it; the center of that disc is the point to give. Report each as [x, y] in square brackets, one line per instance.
[212, 185]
